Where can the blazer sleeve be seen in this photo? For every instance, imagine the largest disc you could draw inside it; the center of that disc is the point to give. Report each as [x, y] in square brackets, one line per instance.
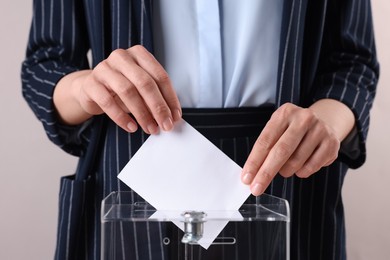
[57, 46]
[348, 69]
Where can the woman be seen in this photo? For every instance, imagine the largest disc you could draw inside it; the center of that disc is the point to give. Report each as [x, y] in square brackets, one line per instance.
[322, 87]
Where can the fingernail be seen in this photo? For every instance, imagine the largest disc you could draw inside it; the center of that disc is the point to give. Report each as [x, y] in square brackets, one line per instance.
[132, 127]
[152, 128]
[167, 124]
[247, 178]
[256, 189]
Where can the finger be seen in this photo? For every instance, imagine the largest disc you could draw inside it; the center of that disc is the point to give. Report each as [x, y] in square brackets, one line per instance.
[325, 154]
[148, 62]
[271, 133]
[151, 128]
[277, 157]
[147, 88]
[152, 98]
[134, 103]
[275, 128]
[128, 98]
[120, 103]
[302, 153]
[263, 145]
[298, 122]
[103, 98]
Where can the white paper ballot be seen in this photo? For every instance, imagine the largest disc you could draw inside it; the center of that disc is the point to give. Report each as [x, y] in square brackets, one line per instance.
[181, 170]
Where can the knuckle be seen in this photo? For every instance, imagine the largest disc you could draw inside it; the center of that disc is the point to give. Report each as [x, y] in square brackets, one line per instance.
[307, 170]
[293, 164]
[144, 117]
[263, 143]
[332, 146]
[105, 101]
[137, 48]
[125, 89]
[306, 120]
[283, 113]
[101, 67]
[285, 173]
[161, 110]
[119, 118]
[172, 102]
[307, 117]
[334, 142]
[283, 150]
[322, 131]
[286, 109]
[331, 160]
[252, 165]
[118, 53]
[287, 106]
[146, 83]
[310, 168]
[303, 174]
[146, 122]
[266, 175]
[162, 77]
[333, 156]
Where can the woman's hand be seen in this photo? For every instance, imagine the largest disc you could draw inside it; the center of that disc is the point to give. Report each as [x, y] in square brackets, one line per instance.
[128, 81]
[297, 141]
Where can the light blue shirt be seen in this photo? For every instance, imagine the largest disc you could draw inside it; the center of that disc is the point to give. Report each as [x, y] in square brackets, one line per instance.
[219, 53]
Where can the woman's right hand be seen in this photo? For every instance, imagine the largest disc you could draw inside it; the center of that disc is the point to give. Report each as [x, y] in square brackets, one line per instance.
[127, 82]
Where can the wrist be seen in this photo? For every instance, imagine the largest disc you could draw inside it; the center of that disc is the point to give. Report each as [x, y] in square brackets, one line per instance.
[336, 115]
[66, 98]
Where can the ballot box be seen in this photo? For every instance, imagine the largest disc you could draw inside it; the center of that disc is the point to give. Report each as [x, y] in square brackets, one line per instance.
[132, 229]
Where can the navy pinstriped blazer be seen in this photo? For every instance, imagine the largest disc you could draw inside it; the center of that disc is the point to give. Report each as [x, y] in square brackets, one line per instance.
[327, 51]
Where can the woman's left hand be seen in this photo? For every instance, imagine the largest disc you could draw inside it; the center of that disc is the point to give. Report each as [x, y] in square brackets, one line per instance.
[297, 141]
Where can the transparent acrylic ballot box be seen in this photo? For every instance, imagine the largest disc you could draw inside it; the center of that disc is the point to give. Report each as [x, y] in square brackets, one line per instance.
[135, 230]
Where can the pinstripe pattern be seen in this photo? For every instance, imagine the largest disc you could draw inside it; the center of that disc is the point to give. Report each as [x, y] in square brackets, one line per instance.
[327, 51]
